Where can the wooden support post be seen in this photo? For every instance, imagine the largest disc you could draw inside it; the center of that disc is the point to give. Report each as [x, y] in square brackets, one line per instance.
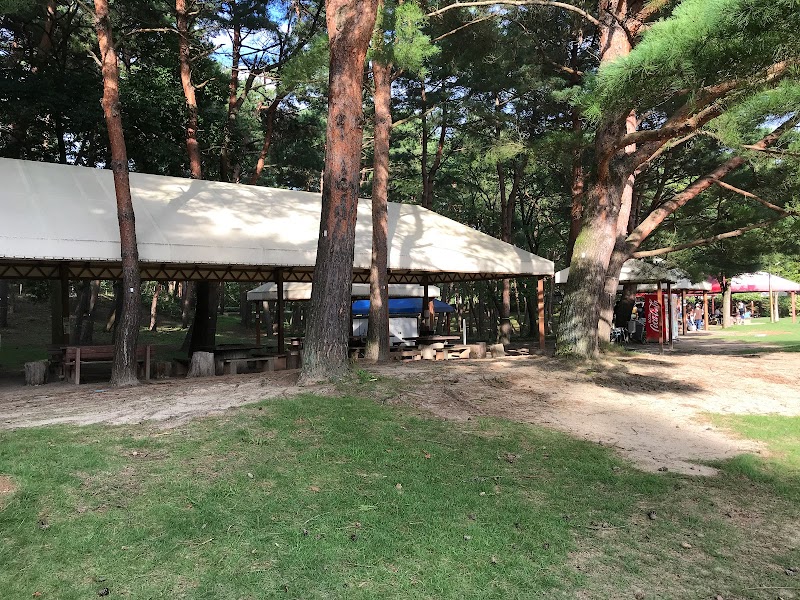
[540, 310]
[794, 307]
[669, 315]
[660, 298]
[258, 323]
[683, 312]
[705, 311]
[279, 316]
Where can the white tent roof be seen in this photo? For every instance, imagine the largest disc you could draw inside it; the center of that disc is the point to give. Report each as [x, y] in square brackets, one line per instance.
[633, 271]
[297, 290]
[57, 215]
[682, 283]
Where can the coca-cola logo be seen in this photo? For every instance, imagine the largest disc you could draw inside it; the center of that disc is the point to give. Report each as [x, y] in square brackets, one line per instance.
[654, 315]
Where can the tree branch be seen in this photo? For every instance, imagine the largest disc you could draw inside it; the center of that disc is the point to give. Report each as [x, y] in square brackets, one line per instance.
[551, 3]
[706, 241]
[464, 26]
[779, 209]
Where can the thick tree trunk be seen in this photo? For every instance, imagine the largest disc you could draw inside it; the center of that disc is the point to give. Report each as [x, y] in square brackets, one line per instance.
[587, 289]
[726, 306]
[350, 24]
[378, 323]
[123, 370]
[202, 333]
[245, 307]
[4, 302]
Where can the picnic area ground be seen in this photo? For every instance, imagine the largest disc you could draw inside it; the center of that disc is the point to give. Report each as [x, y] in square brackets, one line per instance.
[639, 476]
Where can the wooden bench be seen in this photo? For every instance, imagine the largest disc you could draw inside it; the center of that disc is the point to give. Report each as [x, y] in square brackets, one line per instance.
[75, 356]
[278, 362]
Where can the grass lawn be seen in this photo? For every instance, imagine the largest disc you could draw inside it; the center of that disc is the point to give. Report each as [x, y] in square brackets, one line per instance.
[317, 497]
[783, 336]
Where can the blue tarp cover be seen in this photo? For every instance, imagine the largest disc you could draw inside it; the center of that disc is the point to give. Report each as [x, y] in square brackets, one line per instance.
[402, 306]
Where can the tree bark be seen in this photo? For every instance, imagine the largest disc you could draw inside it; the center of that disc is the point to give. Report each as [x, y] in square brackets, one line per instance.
[225, 167]
[377, 349]
[123, 370]
[269, 129]
[187, 289]
[586, 289]
[350, 24]
[726, 304]
[154, 307]
[625, 308]
[192, 145]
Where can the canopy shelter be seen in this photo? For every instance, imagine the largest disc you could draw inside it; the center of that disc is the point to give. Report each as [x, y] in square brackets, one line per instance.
[633, 271]
[757, 282]
[60, 222]
[402, 306]
[764, 282]
[641, 272]
[293, 291]
[59, 217]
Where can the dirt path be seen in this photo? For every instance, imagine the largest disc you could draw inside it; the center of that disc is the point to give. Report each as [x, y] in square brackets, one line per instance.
[649, 407]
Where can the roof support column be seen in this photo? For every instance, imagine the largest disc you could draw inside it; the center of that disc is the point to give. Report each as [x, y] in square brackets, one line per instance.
[705, 311]
[794, 307]
[258, 323]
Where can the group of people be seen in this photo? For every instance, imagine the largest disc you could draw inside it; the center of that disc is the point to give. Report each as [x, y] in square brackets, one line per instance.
[695, 316]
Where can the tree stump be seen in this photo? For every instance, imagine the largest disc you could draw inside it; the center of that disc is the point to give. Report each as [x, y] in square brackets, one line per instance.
[477, 350]
[497, 350]
[202, 365]
[36, 372]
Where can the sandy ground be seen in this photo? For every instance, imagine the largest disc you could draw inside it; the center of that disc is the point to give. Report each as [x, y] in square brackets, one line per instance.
[649, 407]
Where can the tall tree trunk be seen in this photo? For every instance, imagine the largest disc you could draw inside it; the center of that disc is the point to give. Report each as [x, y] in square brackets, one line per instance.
[726, 304]
[86, 335]
[378, 322]
[187, 291]
[577, 333]
[203, 330]
[123, 370]
[350, 24]
[154, 307]
[245, 307]
[192, 145]
[4, 302]
[225, 166]
[269, 128]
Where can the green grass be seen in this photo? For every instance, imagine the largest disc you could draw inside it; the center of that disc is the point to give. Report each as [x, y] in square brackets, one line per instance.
[317, 497]
[781, 436]
[783, 336]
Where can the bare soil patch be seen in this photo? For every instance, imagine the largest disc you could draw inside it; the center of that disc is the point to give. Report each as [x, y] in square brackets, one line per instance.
[651, 408]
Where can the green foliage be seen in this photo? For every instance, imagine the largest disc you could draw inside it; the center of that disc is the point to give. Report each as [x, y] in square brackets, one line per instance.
[704, 42]
[400, 39]
[306, 69]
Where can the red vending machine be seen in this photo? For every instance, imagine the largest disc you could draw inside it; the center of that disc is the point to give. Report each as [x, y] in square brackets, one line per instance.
[654, 318]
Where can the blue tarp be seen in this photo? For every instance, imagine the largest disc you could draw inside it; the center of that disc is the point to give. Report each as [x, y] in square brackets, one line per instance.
[402, 306]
